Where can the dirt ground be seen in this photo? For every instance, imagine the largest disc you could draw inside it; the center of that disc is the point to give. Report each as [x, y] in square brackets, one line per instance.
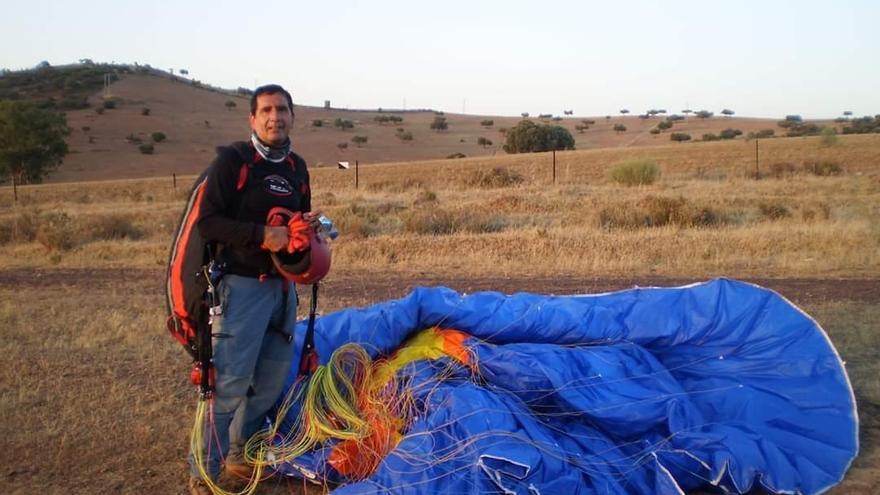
[346, 289]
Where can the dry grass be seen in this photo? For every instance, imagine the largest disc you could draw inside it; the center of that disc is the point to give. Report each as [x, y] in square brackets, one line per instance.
[487, 216]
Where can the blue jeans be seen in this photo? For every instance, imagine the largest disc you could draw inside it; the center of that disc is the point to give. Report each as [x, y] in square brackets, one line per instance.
[251, 358]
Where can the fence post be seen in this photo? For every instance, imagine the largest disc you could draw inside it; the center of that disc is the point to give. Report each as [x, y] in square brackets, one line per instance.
[757, 170]
[554, 167]
[174, 181]
[356, 174]
[14, 190]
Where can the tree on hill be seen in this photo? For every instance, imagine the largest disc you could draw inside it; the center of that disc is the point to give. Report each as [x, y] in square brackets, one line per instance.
[343, 124]
[680, 136]
[487, 123]
[484, 142]
[847, 114]
[618, 128]
[31, 141]
[230, 104]
[727, 112]
[439, 124]
[359, 140]
[529, 137]
[704, 114]
[624, 111]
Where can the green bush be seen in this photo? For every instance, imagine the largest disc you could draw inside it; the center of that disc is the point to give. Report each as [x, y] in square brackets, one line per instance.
[146, 148]
[405, 136]
[680, 136]
[343, 124]
[635, 172]
[317, 123]
[487, 123]
[528, 137]
[359, 140]
[454, 156]
[145, 111]
[729, 133]
[439, 124]
[710, 137]
[158, 136]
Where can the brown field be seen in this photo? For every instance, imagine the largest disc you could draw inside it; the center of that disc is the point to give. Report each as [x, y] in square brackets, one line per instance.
[95, 396]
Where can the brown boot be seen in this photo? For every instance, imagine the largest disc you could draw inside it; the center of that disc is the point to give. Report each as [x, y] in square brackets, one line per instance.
[199, 487]
[236, 472]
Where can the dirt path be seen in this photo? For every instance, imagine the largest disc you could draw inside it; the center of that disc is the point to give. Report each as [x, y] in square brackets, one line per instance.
[357, 288]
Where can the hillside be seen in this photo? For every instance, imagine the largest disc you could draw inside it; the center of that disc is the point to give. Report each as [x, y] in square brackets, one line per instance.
[196, 120]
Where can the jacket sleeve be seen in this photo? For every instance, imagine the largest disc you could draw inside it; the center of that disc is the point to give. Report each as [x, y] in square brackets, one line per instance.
[217, 221]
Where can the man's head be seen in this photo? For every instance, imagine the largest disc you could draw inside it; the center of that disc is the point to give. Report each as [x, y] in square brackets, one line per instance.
[271, 114]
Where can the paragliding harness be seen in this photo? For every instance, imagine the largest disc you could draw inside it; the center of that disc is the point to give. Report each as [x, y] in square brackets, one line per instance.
[192, 278]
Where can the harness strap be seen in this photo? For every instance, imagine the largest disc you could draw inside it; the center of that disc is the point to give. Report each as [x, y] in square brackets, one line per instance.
[308, 361]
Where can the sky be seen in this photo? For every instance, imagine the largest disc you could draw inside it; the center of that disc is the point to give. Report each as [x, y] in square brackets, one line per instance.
[491, 57]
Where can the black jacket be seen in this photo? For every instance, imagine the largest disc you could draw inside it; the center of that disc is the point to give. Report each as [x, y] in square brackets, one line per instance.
[240, 190]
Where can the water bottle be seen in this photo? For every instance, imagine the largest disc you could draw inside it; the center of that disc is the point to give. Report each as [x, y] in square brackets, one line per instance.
[328, 227]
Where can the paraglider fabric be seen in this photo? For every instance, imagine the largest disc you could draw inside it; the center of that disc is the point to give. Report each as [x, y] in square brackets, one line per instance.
[649, 390]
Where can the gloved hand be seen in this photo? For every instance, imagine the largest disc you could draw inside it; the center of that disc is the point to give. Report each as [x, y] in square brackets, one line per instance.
[297, 233]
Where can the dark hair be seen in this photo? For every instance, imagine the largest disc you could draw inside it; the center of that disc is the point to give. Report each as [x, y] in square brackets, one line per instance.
[269, 89]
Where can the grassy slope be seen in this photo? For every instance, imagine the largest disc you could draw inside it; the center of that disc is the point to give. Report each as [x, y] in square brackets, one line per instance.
[181, 111]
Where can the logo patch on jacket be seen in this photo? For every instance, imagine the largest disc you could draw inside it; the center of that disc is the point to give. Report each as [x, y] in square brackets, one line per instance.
[277, 185]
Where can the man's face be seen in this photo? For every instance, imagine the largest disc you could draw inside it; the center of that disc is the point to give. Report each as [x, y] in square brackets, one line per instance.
[273, 119]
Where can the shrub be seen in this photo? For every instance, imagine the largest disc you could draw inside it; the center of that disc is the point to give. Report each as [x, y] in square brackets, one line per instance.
[655, 131]
[762, 134]
[680, 136]
[22, 228]
[145, 111]
[112, 227]
[635, 172]
[619, 128]
[359, 140]
[405, 136]
[484, 142]
[146, 148]
[439, 124]
[829, 137]
[453, 156]
[773, 210]
[666, 124]
[782, 169]
[343, 124]
[658, 211]
[99, 110]
[55, 232]
[230, 104]
[823, 169]
[729, 133]
[487, 123]
[425, 196]
[317, 123]
[109, 104]
[86, 128]
[342, 145]
[158, 136]
[710, 137]
[433, 221]
[494, 178]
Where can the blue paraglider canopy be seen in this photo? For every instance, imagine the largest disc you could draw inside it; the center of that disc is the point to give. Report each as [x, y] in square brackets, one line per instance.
[649, 390]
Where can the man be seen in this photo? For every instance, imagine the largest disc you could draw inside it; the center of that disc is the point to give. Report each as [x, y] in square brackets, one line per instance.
[251, 344]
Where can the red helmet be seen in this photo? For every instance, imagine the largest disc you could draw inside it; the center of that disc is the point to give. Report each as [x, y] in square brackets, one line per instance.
[305, 266]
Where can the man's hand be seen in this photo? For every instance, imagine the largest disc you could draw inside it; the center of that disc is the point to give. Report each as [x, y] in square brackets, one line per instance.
[274, 238]
[313, 217]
